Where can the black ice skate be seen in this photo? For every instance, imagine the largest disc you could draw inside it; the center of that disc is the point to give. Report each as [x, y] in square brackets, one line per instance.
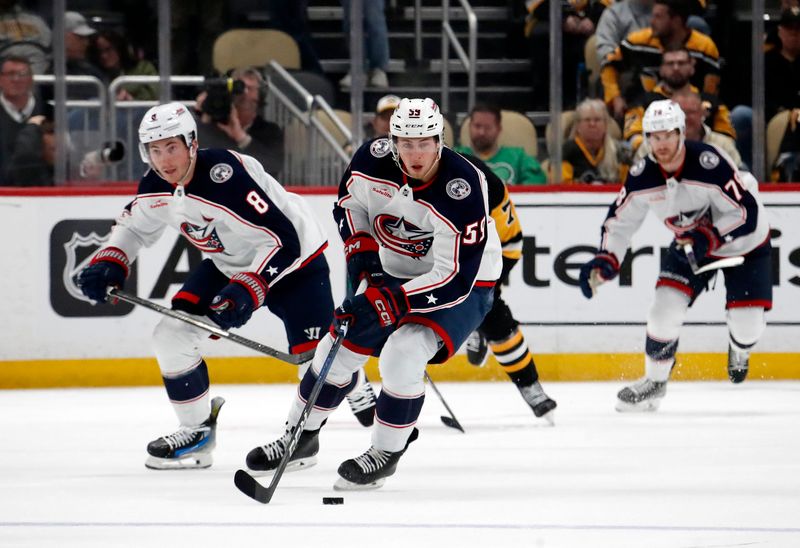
[266, 458]
[189, 447]
[477, 349]
[541, 404]
[643, 395]
[362, 401]
[738, 364]
[370, 470]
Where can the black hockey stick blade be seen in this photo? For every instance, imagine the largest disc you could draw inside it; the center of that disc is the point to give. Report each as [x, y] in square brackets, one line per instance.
[212, 328]
[246, 483]
[452, 423]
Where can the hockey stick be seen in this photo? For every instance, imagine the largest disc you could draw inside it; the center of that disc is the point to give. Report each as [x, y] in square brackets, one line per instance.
[721, 263]
[450, 421]
[246, 483]
[211, 328]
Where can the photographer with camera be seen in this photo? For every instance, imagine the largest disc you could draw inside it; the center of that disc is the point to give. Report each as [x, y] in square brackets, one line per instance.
[230, 117]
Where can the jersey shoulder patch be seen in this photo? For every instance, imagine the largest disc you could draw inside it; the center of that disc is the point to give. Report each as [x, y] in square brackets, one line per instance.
[219, 173]
[458, 188]
[709, 159]
[638, 167]
[380, 147]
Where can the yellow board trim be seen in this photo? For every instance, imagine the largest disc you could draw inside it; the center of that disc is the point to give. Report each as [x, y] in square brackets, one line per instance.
[552, 367]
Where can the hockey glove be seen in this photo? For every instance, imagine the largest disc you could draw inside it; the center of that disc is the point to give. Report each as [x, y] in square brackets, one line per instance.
[602, 268]
[233, 306]
[376, 309]
[363, 261]
[704, 239]
[108, 268]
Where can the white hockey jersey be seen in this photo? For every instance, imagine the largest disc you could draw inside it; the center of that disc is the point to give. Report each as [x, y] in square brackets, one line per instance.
[437, 235]
[238, 215]
[707, 187]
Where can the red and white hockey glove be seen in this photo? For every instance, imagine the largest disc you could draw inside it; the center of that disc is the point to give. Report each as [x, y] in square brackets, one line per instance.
[233, 306]
[376, 309]
[108, 268]
[363, 260]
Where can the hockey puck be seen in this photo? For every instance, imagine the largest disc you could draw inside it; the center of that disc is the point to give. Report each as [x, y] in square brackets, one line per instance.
[332, 500]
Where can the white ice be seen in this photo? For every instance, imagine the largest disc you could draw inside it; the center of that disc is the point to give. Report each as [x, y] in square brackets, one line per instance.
[717, 465]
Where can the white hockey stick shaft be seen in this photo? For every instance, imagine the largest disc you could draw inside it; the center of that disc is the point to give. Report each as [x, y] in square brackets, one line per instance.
[211, 328]
[714, 265]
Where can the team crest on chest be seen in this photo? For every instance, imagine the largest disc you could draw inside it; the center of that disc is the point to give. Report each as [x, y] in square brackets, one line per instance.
[458, 189]
[220, 173]
[401, 236]
[709, 160]
[380, 148]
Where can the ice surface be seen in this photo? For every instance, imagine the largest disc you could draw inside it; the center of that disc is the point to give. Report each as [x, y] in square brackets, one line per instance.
[717, 465]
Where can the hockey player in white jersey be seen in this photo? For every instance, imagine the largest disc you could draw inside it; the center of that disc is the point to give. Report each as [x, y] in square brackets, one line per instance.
[262, 247]
[414, 219]
[709, 205]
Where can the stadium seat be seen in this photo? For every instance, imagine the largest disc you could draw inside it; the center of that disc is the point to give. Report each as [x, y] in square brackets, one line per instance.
[776, 129]
[240, 48]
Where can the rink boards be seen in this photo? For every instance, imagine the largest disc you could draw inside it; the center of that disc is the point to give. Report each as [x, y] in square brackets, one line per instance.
[52, 337]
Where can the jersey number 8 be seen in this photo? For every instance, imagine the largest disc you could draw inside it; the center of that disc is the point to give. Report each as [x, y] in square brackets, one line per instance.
[257, 202]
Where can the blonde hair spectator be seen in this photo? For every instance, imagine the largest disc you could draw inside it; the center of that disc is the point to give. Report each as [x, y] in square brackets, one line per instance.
[591, 154]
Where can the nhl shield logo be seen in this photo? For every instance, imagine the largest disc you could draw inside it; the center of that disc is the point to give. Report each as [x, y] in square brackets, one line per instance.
[458, 189]
[72, 244]
[220, 173]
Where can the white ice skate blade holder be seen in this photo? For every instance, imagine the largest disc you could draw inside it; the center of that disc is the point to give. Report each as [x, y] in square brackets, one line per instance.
[345, 485]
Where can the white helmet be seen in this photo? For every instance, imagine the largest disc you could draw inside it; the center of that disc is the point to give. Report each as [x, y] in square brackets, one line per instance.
[416, 119]
[163, 122]
[664, 115]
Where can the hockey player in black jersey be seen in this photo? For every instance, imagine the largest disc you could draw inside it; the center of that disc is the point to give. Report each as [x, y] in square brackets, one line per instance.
[262, 247]
[499, 328]
[414, 219]
[715, 212]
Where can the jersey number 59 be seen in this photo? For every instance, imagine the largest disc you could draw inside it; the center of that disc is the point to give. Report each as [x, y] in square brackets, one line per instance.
[475, 232]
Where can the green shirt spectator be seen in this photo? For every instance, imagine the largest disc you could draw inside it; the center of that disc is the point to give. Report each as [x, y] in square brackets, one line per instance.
[512, 164]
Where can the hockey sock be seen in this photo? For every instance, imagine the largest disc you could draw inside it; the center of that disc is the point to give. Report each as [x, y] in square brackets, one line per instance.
[329, 398]
[395, 417]
[516, 359]
[188, 392]
[659, 358]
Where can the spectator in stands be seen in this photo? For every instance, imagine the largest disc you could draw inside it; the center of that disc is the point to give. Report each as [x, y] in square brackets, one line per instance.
[24, 34]
[641, 52]
[618, 21]
[625, 16]
[579, 18]
[115, 57]
[781, 82]
[77, 37]
[676, 71]
[512, 164]
[592, 155]
[291, 16]
[379, 126]
[376, 43]
[17, 104]
[245, 131]
[33, 158]
[696, 130]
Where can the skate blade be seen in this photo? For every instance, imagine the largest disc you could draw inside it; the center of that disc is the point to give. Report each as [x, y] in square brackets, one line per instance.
[345, 485]
[648, 406]
[294, 466]
[549, 417]
[188, 462]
